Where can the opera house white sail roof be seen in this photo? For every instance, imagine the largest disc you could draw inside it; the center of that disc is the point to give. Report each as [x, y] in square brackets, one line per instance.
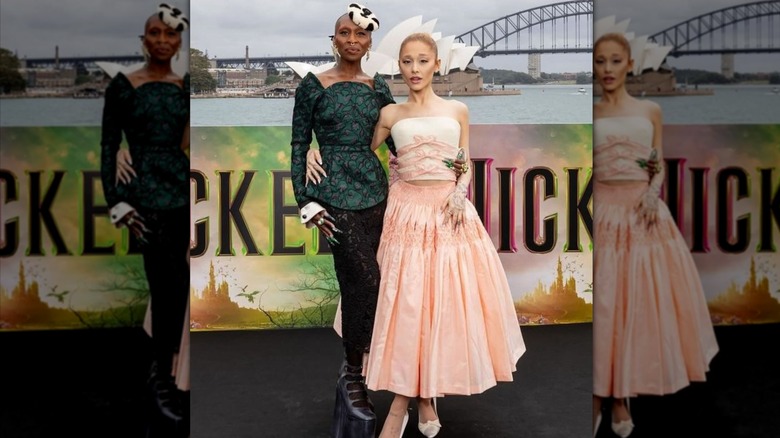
[384, 60]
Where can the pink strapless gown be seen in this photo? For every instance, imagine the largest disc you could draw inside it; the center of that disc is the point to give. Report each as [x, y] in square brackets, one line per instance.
[652, 332]
[445, 322]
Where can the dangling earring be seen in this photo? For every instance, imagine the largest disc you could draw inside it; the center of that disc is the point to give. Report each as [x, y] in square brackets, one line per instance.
[178, 52]
[336, 52]
[145, 51]
[368, 53]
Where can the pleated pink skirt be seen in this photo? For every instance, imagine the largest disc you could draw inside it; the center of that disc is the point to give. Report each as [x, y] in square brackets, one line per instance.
[445, 321]
[652, 332]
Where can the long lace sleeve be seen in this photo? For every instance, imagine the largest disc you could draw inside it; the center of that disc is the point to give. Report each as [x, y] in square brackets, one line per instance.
[461, 189]
[111, 138]
[302, 123]
[651, 196]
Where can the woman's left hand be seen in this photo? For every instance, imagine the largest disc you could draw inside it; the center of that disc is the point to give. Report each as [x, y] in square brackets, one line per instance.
[460, 167]
[327, 224]
[653, 167]
[647, 209]
[135, 223]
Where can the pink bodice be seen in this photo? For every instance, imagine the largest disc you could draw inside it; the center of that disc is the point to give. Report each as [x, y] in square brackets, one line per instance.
[620, 142]
[422, 143]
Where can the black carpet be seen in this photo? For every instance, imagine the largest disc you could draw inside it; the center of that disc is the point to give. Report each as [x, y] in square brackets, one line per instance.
[281, 383]
[77, 383]
[740, 399]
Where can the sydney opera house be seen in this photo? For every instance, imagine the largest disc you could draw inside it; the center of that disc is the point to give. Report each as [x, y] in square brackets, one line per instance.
[651, 75]
[458, 76]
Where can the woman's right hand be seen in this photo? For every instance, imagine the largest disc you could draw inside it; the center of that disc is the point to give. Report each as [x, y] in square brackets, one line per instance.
[124, 167]
[314, 170]
[393, 169]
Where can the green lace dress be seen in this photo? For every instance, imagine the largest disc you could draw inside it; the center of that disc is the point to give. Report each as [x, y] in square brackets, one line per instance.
[342, 117]
[153, 118]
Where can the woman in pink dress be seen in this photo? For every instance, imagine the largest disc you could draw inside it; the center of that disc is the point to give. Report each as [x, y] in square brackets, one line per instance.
[445, 322]
[652, 332]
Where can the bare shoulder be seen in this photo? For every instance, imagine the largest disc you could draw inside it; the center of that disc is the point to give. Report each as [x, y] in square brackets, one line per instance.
[459, 110]
[654, 113]
[459, 107]
[652, 108]
[322, 76]
[390, 114]
[137, 77]
[389, 111]
[326, 78]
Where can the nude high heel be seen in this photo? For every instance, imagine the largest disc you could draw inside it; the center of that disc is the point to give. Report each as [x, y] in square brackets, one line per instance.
[403, 425]
[596, 425]
[432, 427]
[624, 428]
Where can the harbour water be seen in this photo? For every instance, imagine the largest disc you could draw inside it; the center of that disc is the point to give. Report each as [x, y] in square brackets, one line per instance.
[729, 104]
[537, 104]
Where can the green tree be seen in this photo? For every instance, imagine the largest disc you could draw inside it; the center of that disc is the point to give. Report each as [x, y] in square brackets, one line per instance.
[200, 79]
[83, 79]
[10, 78]
[583, 78]
[774, 78]
[273, 79]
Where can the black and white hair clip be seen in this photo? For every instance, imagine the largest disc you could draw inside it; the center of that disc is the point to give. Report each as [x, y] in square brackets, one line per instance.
[363, 17]
[173, 17]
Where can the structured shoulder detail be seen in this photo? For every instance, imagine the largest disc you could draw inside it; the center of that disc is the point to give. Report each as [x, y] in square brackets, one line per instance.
[383, 90]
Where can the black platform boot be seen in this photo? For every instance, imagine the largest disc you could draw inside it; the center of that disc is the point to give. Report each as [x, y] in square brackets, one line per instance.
[353, 415]
[165, 394]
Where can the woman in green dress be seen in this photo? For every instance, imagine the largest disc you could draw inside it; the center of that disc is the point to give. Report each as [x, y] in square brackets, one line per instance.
[148, 190]
[341, 106]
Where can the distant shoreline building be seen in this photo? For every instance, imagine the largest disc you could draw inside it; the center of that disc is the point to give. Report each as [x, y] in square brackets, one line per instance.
[535, 65]
[457, 83]
[659, 82]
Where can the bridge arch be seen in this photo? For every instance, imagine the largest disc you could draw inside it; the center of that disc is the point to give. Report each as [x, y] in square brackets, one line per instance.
[683, 36]
[489, 35]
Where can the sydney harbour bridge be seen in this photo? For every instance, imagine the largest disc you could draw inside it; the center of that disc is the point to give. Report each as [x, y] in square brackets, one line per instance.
[564, 27]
